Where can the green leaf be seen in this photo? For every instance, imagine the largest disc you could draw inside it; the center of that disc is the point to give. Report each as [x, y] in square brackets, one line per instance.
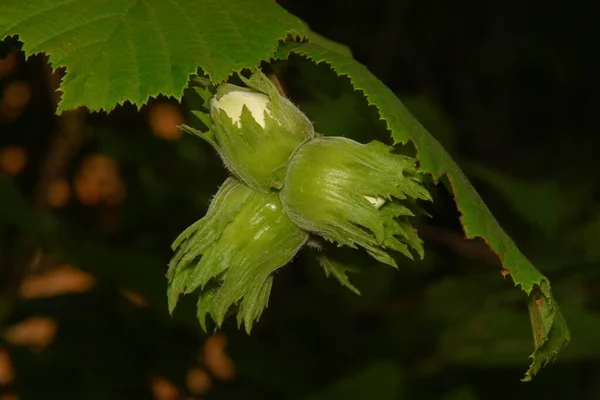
[121, 50]
[491, 331]
[476, 219]
[381, 381]
[547, 337]
[338, 270]
[539, 203]
[463, 393]
[327, 43]
[16, 210]
[433, 118]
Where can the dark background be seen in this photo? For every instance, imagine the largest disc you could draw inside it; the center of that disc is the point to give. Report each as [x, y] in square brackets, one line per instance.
[90, 203]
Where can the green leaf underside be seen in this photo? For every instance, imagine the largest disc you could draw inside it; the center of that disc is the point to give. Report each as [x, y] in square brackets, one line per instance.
[550, 332]
[120, 50]
[231, 252]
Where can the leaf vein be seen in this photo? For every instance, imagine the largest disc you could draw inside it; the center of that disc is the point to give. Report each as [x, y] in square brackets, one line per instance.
[101, 53]
[164, 47]
[38, 13]
[47, 40]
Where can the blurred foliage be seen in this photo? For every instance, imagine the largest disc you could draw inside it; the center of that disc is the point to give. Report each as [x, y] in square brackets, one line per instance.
[506, 92]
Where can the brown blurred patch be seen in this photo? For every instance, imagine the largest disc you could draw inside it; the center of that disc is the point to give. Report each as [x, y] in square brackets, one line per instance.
[7, 372]
[15, 97]
[135, 298]
[16, 94]
[34, 332]
[164, 118]
[58, 193]
[13, 160]
[8, 64]
[99, 181]
[216, 359]
[111, 218]
[9, 396]
[198, 381]
[61, 280]
[162, 389]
